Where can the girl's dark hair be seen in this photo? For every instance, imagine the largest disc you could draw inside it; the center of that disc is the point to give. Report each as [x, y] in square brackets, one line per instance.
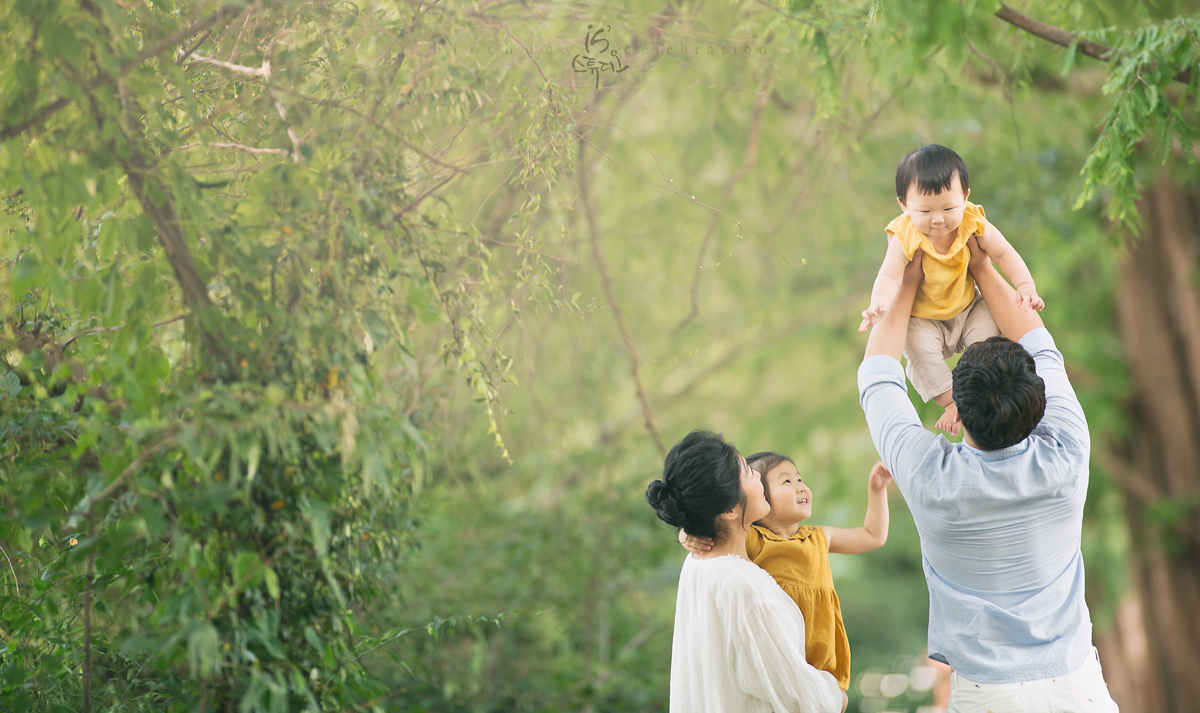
[762, 463]
[933, 168]
[701, 479]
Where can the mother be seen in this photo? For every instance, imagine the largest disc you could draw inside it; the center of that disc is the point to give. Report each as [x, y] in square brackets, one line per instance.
[739, 640]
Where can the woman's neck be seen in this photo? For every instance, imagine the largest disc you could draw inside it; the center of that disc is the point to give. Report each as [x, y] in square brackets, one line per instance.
[733, 543]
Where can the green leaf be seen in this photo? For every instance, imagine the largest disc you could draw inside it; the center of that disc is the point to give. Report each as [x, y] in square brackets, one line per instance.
[247, 568]
[202, 650]
[272, 582]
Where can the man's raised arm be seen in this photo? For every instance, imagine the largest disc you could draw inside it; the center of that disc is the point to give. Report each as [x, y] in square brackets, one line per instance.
[887, 337]
[1011, 317]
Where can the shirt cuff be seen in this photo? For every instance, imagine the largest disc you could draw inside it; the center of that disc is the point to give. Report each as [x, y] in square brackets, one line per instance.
[880, 368]
[1036, 340]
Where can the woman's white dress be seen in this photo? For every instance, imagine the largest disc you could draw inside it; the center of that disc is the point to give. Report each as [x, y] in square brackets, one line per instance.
[738, 645]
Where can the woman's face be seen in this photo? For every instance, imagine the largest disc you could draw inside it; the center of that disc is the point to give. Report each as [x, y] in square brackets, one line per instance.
[752, 489]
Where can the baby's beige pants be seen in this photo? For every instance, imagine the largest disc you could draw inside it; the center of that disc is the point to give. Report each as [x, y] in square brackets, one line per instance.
[930, 342]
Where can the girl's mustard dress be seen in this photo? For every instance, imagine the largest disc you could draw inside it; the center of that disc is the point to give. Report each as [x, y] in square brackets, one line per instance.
[800, 564]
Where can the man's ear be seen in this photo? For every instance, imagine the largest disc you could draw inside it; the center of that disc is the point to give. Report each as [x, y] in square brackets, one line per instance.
[966, 194]
[902, 206]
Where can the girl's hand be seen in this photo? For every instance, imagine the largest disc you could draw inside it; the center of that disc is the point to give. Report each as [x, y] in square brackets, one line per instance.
[695, 544]
[880, 478]
[871, 316]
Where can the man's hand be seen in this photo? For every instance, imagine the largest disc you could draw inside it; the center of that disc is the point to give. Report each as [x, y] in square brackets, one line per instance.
[979, 259]
[695, 544]
[880, 477]
[914, 271]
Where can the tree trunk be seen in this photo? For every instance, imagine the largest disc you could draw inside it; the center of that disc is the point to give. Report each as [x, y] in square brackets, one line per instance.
[1159, 313]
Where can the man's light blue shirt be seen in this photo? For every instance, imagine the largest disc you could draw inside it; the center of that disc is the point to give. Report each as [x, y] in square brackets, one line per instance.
[999, 530]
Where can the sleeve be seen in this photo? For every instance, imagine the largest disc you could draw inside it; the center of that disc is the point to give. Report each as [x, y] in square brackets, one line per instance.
[895, 428]
[901, 229]
[978, 218]
[769, 659]
[1064, 419]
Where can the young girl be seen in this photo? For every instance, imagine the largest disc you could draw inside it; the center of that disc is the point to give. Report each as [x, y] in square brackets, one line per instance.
[797, 556]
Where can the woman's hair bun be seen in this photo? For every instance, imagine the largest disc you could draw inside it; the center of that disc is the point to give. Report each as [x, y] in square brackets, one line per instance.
[664, 499]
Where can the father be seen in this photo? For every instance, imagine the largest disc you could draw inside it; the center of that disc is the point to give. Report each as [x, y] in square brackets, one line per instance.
[1000, 514]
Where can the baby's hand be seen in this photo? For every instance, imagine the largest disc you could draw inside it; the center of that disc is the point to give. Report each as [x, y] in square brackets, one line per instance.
[695, 544]
[871, 316]
[880, 478]
[1027, 295]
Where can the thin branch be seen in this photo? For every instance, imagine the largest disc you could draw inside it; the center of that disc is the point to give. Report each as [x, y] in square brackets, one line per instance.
[100, 330]
[262, 71]
[103, 78]
[634, 358]
[119, 481]
[1061, 37]
[241, 147]
[87, 618]
[747, 163]
[279, 107]
[426, 194]
[14, 572]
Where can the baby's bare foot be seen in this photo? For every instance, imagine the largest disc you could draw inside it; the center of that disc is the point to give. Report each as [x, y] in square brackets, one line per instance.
[950, 422]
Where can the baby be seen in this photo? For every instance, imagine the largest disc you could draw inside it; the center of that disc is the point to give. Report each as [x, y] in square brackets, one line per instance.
[797, 555]
[949, 313]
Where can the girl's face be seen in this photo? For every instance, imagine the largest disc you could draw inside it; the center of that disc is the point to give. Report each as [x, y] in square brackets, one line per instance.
[752, 489]
[791, 500]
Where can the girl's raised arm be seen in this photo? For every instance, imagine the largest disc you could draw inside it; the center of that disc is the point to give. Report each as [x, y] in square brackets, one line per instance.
[874, 532]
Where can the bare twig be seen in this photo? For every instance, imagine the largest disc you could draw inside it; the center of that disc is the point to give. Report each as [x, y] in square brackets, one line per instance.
[87, 619]
[119, 481]
[100, 330]
[427, 193]
[14, 572]
[239, 68]
[241, 147]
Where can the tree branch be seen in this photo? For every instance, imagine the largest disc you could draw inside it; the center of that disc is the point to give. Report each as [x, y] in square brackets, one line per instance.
[103, 78]
[747, 163]
[1057, 36]
[634, 357]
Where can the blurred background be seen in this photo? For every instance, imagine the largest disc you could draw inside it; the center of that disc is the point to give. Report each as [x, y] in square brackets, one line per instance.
[657, 217]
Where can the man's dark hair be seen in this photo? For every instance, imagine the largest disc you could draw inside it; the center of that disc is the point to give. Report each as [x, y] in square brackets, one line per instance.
[762, 463]
[932, 167]
[702, 478]
[999, 395]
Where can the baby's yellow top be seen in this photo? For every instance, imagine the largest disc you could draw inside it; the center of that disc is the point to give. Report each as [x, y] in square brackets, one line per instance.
[948, 287]
[800, 564]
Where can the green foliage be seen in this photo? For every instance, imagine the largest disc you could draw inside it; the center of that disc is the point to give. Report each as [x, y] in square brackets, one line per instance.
[310, 397]
[228, 285]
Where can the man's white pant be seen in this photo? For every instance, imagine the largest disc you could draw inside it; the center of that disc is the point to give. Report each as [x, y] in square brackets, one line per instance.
[1080, 691]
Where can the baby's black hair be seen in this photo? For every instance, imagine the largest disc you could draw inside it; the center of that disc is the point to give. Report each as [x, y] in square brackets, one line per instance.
[932, 167]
